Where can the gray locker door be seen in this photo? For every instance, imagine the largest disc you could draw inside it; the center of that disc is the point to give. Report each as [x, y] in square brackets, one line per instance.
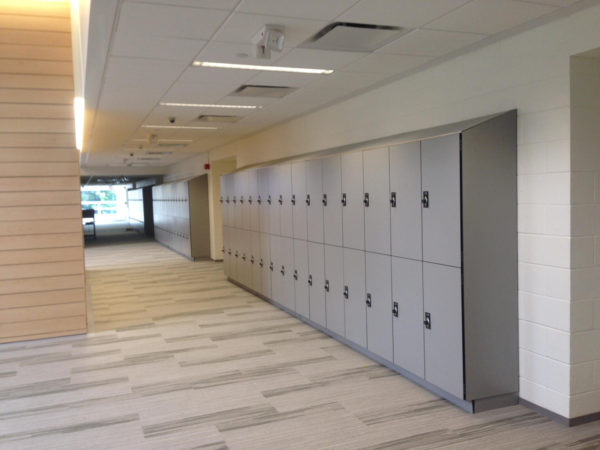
[405, 187]
[332, 211]
[226, 250]
[443, 341]
[235, 253]
[274, 208]
[265, 255]
[263, 206]
[254, 260]
[238, 186]
[301, 277]
[243, 199]
[246, 248]
[316, 277]
[285, 200]
[377, 213]
[252, 195]
[355, 308]
[407, 297]
[314, 190]
[353, 213]
[379, 314]
[299, 200]
[287, 272]
[440, 162]
[334, 288]
[277, 293]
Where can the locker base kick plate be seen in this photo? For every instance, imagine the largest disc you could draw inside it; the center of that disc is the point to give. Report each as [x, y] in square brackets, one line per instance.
[473, 406]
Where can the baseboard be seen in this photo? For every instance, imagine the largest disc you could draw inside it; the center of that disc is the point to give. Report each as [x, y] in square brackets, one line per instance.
[569, 422]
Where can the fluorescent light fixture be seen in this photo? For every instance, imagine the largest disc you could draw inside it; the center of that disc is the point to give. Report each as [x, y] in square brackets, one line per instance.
[181, 127]
[219, 65]
[79, 107]
[202, 105]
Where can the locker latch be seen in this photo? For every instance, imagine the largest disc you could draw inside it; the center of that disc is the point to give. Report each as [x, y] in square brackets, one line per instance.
[252, 260]
[227, 199]
[259, 200]
[242, 199]
[261, 263]
[234, 201]
[344, 200]
[324, 199]
[296, 274]
[221, 199]
[243, 257]
[308, 199]
[427, 321]
[229, 252]
[346, 292]
[223, 249]
[282, 271]
[395, 309]
[326, 285]
[294, 199]
[281, 199]
[368, 302]
[269, 199]
[366, 199]
[271, 266]
[236, 254]
[393, 199]
[250, 199]
[425, 199]
[310, 280]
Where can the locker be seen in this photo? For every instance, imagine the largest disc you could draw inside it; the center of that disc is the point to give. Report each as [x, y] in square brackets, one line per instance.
[243, 199]
[334, 289]
[264, 264]
[407, 313]
[442, 304]
[276, 279]
[314, 200]
[246, 249]
[238, 190]
[405, 200]
[379, 305]
[263, 194]
[353, 214]
[299, 200]
[272, 201]
[254, 260]
[332, 208]
[234, 253]
[252, 194]
[355, 292]
[286, 272]
[376, 169]
[285, 200]
[226, 247]
[316, 283]
[301, 277]
[440, 166]
[222, 200]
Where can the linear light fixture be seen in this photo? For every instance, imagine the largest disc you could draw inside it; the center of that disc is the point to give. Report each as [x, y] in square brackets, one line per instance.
[79, 107]
[202, 105]
[219, 65]
[179, 127]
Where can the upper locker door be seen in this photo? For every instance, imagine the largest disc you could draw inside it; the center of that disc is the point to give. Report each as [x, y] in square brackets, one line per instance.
[301, 277]
[222, 200]
[355, 294]
[316, 283]
[243, 199]
[238, 186]
[377, 200]
[440, 167]
[334, 288]
[285, 200]
[314, 194]
[263, 205]
[252, 191]
[264, 263]
[332, 200]
[298, 200]
[353, 210]
[272, 201]
[379, 305]
[228, 214]
[405, 200]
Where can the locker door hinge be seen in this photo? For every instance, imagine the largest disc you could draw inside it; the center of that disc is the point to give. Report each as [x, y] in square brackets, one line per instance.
[294, 199]
[366, 200]
[281, 199]
[427, 321]
[324, 199]
[308, 199]
[425, 199]
[269, 199]
[282, 271]
[393, 202]
[259, 200]
[310, 280]
[346, 293]
[395, 309]
[271, 266]
[326, 285]
[296, 274]
[344, 200]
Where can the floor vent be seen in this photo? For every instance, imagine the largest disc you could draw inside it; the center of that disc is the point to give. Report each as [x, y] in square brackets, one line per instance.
[353, 37]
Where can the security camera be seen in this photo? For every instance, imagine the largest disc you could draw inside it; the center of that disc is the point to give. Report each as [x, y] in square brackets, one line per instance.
[171, 119]
[269, 37]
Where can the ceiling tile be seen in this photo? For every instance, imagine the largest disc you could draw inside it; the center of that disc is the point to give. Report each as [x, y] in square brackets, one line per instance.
[128, 43]
[213, 4]
[490, 16]
[121, 71]
[172, 21]
[305, 9]
[403, 13]
[197, 93]
[348, 81]
[211, 75]
[319, 59]
[387, 64]
[237, 53]
[242, 27]
[431, 42]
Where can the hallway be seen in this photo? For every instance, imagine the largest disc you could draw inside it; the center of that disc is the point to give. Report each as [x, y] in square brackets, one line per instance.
[180, 358]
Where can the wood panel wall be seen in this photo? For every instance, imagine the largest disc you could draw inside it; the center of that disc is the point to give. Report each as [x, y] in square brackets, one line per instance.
[42, 285]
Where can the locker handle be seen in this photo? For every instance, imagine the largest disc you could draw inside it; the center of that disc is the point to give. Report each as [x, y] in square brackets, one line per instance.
[234, 201]
[344, 200]
[393, 202]
[221, 199]
[294, 199]
[425, 199]
[324, 199]
[326, 285]
[346, 294]
[242, 199]
[252, 260]
[427, 321]
[229, 252]
[282, 270]
[226, 200]
[395, 309]
[261, 263]
[281, 199]
[250, 199]
[236, 254]
[310, 280]
[259, 201]
[223, 249]
[366, 200]
[296, 274]
[269, 200]
[369, 302]
[244, 257]
[271, 266]
[308, 199]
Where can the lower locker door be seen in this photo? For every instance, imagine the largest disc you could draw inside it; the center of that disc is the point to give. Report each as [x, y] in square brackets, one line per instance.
[442, 295]
[379, 313]
[334, 289]
[301, 277]
[287, 272]
[264, 262]
[407, 295]
[355, 309]
[316, 283]
[276, 277]
[254, 260]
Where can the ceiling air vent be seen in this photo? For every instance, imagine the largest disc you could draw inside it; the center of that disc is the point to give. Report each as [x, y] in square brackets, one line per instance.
[216, 118]
[252, 90]
[353, 37]
[158, 153]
